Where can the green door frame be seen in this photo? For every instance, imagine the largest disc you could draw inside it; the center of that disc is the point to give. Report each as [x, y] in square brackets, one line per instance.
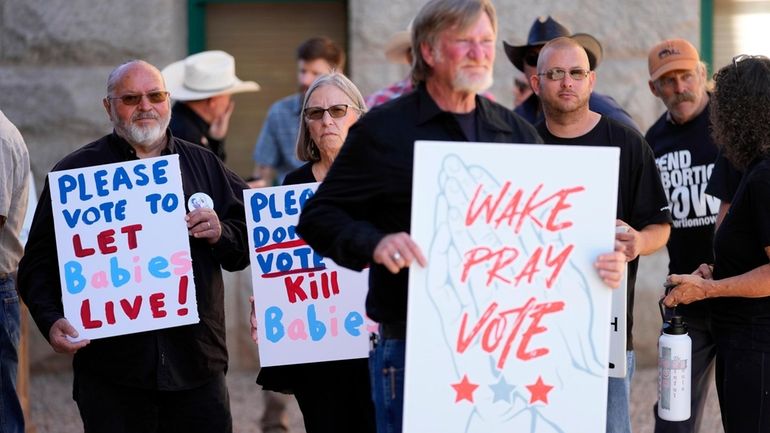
[196, 18]
[707, 33]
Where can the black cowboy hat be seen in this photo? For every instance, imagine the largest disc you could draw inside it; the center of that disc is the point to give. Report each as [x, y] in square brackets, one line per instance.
[543, 31]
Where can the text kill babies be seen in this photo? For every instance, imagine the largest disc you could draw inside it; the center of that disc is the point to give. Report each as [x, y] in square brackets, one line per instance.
[281, 254]
[113, 230]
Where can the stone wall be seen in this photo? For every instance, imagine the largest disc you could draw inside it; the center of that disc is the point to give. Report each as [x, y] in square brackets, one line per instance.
[626, 29]
[56, 55]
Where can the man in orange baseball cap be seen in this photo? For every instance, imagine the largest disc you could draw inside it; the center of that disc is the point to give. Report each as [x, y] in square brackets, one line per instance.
[685, 155]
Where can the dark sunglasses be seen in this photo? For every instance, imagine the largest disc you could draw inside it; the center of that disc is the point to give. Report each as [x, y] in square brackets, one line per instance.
[557, 74]
[336, 111]
[154, 97]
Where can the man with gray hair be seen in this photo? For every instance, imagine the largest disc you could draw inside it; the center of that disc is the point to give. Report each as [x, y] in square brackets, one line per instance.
[360, 214]
[170, 379]
[685, 154]
[14, 170]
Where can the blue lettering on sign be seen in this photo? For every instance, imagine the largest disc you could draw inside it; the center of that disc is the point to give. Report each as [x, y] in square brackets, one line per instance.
[353, 321]
[273, 326]
[73, 277]
[316, 327]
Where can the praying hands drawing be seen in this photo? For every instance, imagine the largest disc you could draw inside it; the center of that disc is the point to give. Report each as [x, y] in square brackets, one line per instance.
[485, 263]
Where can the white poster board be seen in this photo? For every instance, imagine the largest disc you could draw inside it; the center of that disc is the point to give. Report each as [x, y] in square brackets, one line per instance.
[618, 323]
[309, 309]
[124, 252]
[507, 325]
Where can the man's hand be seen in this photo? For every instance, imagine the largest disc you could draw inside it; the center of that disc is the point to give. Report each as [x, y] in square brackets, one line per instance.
[705, 271]
[631, 240]
[57, 337]
[220, 125]
[611, 266]
[204, 223]
[398, 250]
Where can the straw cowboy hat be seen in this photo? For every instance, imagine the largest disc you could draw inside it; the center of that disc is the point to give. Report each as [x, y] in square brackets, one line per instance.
[398, 46]
[203, 75]
[545, 30]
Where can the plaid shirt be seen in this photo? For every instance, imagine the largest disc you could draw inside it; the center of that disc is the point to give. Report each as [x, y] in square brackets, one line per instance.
[400, 88]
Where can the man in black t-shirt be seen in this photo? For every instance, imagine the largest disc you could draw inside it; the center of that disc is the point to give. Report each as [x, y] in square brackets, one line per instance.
[685, 155]
[564, 83]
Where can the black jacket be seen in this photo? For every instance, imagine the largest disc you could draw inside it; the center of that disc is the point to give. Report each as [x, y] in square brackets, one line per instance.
[367, 194]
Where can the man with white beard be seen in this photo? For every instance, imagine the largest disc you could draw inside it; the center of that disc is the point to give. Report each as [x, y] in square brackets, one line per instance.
[360, 213]
[165, 380]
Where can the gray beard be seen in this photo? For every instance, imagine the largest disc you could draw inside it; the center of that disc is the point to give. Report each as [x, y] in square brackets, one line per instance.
[143, 136]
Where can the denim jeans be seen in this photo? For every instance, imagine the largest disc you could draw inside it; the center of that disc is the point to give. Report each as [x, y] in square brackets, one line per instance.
[11, 416]
[619, 398]
[386, 369]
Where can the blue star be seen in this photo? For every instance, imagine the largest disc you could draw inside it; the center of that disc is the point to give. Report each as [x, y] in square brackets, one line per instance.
[502, 390]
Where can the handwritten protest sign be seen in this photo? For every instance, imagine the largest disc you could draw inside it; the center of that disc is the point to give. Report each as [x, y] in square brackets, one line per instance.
[124, 252]
[308, 308]
[507, 325]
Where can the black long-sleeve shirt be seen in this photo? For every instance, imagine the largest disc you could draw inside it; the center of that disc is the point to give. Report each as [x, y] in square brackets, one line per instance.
[367, 194]
[168, 359]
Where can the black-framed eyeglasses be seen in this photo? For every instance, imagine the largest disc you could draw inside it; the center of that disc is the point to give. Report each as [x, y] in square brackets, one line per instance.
[336, 111]
[155, 97]
[557, 74]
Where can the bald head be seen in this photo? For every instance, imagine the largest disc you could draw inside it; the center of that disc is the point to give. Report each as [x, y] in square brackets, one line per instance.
[131, 66]
[561, 44]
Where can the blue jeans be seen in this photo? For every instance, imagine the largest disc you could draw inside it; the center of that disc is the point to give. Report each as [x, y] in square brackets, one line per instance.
[11, 416]
[619, 398]
[386, 369]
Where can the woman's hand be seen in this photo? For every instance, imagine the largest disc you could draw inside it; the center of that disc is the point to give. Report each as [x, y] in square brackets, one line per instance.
[253, 320]
[687, 289]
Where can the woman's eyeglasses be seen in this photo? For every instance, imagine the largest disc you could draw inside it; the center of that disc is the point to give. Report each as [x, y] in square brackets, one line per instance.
[557, 74]
[741, 57]
[336, 111]
[154, 97]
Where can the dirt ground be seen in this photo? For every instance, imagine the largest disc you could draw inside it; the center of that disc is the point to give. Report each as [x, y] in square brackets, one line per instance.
[53, 410]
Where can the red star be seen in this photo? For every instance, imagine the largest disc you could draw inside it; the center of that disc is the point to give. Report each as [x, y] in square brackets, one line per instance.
[539, 391]
[464, 389]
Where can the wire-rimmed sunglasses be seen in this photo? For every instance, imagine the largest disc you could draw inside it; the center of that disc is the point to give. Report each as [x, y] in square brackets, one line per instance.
[335, 111]
[557, 74]
[155, 97]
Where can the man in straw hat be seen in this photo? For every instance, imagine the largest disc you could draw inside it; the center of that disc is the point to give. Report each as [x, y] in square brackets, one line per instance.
[524, 58]
[163, 380]
[202, 85]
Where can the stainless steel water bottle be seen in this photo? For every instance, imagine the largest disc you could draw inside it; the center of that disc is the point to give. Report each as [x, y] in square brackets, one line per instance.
[674, 369]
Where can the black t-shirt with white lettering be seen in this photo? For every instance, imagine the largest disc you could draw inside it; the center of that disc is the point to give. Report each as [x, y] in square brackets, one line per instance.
[685, 155]
[739, 247]
[641, 200]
